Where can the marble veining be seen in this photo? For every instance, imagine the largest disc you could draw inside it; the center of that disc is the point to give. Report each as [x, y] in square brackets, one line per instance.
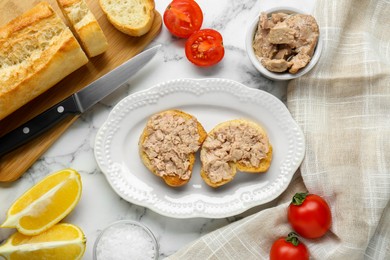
[100, 205]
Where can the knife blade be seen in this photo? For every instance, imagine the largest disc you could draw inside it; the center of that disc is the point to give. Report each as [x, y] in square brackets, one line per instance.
[77, 103]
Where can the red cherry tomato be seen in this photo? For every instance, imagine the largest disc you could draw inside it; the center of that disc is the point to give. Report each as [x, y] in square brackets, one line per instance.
[309, 215]
[183, 17]
[205, 47]
[289, 248]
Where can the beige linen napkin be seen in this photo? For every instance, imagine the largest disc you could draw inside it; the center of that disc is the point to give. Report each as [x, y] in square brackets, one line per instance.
[343, 108]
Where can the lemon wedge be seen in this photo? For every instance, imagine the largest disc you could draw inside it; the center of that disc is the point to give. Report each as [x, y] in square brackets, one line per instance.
[62, 241]
[46, 203]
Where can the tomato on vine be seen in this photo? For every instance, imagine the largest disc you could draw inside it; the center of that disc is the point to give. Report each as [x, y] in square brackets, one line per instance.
[309, 215]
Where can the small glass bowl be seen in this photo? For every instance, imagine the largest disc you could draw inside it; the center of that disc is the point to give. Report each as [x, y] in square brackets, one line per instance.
[126, 238]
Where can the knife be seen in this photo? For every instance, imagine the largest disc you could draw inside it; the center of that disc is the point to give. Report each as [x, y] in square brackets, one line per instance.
[77, 103]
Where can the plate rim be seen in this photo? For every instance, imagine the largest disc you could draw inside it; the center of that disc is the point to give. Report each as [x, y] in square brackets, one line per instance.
[198, 213]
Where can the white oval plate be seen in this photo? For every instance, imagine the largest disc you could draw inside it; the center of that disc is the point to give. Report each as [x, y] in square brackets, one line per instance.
[211, 101]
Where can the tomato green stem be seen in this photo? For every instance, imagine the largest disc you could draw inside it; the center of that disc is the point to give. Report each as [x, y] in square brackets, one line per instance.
[299, 198]
[292, 238]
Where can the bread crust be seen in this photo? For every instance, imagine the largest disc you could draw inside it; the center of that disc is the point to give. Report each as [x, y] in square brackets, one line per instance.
[132, 26]
[171, 180]
[24, 76]
[234, 166]
[85, 26]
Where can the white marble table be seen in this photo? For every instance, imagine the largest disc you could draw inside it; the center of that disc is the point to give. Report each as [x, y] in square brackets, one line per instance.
[100, 205]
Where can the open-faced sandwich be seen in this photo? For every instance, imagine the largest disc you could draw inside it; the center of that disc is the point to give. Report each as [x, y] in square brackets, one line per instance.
[236, 144]
[168, 144]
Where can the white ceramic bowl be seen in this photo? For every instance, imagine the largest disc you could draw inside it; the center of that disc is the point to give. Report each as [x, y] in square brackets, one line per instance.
[126, 239]
[257, 64]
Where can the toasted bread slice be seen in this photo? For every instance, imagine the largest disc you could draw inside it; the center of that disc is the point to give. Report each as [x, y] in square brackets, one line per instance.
[168, 144]
[85, 26]
[233, 145]
[132, 17]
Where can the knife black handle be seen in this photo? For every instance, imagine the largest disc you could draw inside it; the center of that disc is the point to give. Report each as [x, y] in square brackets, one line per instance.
[37, 125]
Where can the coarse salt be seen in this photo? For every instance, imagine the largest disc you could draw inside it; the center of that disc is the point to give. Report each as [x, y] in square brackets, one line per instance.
[125, 241]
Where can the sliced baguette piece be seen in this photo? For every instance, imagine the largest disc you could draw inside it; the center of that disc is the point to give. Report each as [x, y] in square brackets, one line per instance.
[37, 50]
[132, 17]
[238, 144]
[85, 26]
[168, 144]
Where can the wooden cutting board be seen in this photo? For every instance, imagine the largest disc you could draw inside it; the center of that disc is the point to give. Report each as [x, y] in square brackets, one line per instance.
[121, 48]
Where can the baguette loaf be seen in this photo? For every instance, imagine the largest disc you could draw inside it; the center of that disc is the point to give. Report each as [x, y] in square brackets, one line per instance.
[168, 144]
[85, 26]
[132, 17]
[37, 50]
[236, 144]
